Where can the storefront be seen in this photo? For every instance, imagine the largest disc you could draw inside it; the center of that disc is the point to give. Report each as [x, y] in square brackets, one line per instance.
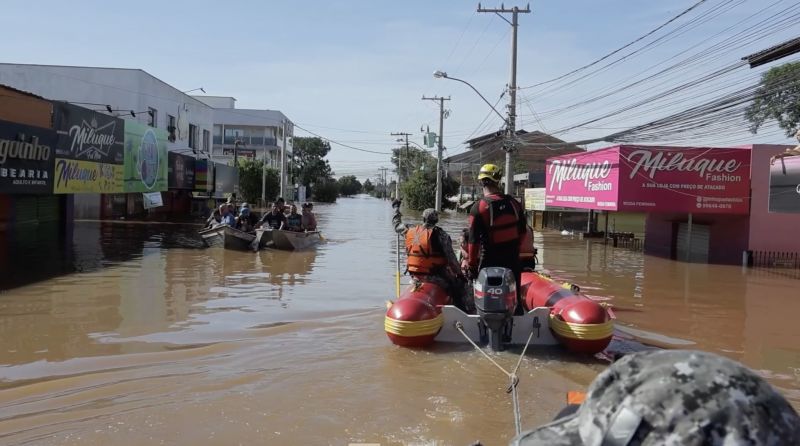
[696, 199]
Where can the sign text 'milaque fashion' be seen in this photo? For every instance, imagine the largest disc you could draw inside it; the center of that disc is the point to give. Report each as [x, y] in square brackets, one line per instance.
[652, 179]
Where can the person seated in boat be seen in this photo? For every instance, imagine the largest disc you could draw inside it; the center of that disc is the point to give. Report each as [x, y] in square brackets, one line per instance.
[243, 222]
[309, 221]
[281, 205]
[251, 217]
[215, 218]
[294, 221]
[680, 397]
[274, 219]
[430, 256]
[228, 217]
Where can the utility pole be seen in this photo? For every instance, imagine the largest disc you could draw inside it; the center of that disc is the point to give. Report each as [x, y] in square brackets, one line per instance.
[399, 163]
[264, 175]
[511, 130]
[439, 150]
[383, 180]
[283, 162]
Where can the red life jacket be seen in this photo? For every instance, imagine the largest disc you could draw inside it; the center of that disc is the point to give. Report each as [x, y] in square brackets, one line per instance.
[423, 255]
[503, 221]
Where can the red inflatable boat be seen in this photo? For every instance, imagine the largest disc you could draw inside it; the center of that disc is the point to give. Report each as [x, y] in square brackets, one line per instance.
[553, 313]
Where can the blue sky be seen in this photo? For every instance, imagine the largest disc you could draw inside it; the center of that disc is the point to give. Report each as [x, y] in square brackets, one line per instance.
[355, 71]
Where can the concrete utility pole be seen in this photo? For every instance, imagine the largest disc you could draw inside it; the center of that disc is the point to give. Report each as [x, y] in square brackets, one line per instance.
[511, 130]
[399, 163]
[383, 180]
[439, 150]
[264, 175]
[283, 162]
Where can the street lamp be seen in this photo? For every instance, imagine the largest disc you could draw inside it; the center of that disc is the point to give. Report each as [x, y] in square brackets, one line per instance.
[438, 74]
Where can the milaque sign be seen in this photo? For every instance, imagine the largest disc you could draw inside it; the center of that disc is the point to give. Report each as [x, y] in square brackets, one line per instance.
[652, 179]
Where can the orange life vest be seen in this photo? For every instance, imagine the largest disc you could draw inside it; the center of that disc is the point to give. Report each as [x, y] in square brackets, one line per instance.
[423, 256]
[503, 220]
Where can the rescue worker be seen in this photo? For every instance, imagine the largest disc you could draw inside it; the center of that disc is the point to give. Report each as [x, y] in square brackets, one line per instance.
[527, 253]
[430, 256]
[496, 228]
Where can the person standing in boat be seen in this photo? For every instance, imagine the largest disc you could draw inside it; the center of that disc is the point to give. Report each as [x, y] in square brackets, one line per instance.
[430, 256]
[309, 221]
[273, 219]
[215, 219]
[496, 228]
[294, 221]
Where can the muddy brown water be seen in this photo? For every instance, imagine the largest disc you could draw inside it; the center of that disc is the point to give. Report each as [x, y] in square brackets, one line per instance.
[145, 338]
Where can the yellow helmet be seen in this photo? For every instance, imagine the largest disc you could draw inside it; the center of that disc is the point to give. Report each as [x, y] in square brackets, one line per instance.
[491, 172]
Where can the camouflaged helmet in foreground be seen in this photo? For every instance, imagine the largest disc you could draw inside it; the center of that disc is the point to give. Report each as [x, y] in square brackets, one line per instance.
[674, 397]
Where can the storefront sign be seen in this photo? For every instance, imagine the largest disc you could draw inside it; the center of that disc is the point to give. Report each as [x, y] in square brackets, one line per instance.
[203, 176]
[784, 185]
[585, 180]
[27, 155]
[87, 135]
[145, 158]
[74, 176]
[534, 199]
[226, 180]
[652, 179]
[181, 173]
[243, 153]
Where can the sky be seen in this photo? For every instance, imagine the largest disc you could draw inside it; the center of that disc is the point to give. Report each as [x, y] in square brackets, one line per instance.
[355, 71]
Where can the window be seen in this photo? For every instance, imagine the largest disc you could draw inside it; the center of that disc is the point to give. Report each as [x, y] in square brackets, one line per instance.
[217, 134]
[152, 117]
[193, 136]
[206, 140]
[232, 134]
[171, 127]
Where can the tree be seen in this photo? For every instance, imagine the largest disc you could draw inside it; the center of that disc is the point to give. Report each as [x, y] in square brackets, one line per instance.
[309, 165]
[325, 191]
[411, 161]
[419, 192]
[250, 180]
[777, 98]
[368, 186]
[349, 185]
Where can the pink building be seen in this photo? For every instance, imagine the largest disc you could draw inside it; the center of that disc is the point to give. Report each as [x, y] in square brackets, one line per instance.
[702, 204]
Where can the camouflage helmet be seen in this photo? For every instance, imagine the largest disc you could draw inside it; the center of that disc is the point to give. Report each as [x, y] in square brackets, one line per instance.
[674, 397]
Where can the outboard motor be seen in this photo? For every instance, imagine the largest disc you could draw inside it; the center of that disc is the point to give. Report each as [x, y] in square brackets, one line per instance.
[496, 300]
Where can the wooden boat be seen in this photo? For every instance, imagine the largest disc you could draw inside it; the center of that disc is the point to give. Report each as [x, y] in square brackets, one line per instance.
[263, 238]
[228, 238]
[294, 241]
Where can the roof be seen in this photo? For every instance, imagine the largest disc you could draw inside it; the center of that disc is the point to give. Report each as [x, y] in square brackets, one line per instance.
[22, 92]
[489, 148]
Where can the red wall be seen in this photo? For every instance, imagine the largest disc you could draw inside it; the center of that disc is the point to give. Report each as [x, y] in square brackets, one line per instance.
[769, 231]
[729, 235]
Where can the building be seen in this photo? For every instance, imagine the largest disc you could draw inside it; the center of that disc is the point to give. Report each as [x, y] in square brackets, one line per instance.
[532, 152]
[700, 204]
[132, 94]
[256, 134]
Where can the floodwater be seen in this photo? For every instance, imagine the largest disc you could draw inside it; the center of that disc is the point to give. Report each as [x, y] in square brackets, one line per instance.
[145, 338]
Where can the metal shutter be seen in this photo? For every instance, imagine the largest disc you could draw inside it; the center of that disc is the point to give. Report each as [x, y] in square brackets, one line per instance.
[700, 238]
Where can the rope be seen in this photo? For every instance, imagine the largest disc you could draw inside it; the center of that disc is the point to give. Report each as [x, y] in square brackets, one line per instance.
[512, 376]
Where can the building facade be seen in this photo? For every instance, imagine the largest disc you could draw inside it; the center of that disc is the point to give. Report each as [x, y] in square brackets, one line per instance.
[249, 133]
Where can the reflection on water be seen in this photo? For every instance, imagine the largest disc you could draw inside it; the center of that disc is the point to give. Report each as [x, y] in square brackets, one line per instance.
[139, 337]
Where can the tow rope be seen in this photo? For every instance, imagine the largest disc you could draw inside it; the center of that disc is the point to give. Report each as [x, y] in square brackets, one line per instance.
[512, 376]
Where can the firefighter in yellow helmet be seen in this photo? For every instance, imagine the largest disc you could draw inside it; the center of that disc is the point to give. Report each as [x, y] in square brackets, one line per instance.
[430, 256]
[497, 227]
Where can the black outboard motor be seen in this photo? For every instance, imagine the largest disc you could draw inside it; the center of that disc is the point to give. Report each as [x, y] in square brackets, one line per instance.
[496, 301]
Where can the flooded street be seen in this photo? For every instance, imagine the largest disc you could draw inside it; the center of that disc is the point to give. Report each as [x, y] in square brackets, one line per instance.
[146, 338]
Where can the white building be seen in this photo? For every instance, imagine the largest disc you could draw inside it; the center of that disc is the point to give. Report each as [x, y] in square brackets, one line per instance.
[259, 134]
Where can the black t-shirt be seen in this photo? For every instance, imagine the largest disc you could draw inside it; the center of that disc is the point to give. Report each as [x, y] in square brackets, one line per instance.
[274, 220]
[294, 222]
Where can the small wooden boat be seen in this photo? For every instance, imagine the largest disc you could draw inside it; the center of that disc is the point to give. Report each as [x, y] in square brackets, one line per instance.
[294, 241]
[228, 238]
[263, 238]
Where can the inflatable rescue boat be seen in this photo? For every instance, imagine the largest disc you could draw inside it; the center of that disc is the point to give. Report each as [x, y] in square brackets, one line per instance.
[553, 313]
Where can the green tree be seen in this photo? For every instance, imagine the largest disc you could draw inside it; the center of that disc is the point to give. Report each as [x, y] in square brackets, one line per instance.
[368, 186]
[349, 185]
[411, 160]
[309, 165]
[419, 192]
[777, 98]
[325, 191]
[250, 180]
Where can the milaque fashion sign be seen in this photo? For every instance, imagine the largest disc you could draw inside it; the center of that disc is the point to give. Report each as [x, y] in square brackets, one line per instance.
[653, 179]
